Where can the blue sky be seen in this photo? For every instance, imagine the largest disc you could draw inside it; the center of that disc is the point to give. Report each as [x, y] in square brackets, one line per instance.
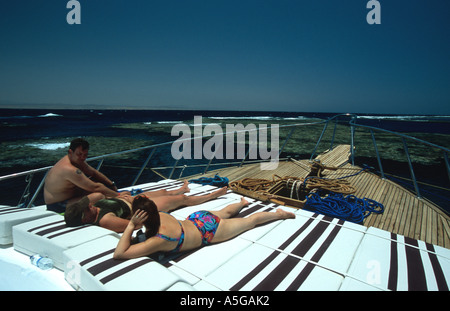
[284, 55]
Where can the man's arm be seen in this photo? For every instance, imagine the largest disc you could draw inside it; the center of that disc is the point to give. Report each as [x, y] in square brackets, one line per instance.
[97, 176]
[77, 177]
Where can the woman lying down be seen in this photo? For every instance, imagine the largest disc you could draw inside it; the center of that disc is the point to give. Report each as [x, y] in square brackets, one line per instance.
[165, 233]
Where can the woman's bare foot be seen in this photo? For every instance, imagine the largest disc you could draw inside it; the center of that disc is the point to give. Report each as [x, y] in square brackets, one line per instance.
[239, 206]
[243, 202]
[282, 214]
[220, 192]
[185, 187]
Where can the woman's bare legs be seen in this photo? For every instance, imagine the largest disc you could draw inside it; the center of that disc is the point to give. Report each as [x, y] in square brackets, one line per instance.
[168, 203]
[159, 193]
[229, 228]
[231, 210]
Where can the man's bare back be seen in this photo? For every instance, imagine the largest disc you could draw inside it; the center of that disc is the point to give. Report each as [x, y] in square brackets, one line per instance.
[67, 180]
[58, 186]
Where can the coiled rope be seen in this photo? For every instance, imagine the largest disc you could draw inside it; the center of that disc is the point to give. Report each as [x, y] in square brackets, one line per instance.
[349, 208]
[213, 181]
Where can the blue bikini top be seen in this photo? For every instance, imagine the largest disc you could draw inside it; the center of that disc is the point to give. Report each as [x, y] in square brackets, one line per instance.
[180, 240]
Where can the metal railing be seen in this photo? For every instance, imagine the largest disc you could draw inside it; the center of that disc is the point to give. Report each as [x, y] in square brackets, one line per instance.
[406, 149]
[28, 200]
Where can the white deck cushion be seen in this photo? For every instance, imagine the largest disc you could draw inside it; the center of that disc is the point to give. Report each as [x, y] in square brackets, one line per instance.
[399, 263]
[91, 267]
[11, 216]
[297, 254]
[50, 236]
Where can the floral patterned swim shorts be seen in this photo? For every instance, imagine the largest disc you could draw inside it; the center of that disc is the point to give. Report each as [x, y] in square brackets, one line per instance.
[207, 223]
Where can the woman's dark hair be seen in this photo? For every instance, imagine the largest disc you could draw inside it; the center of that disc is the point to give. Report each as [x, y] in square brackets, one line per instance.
[153, 221]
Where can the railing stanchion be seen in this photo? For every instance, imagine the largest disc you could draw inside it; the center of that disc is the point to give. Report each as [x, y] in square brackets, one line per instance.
[318, 141]
[26, 192]
[173, 169]
[286, 140]
[100, 164]
[378, 155]
[219, 148]
[37, 191]
[447, 164]
[143, 167]
[413, 176]
[352, 138]
[334, 134]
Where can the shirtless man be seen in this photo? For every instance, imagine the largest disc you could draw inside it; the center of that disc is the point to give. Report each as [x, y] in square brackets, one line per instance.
[67, 181]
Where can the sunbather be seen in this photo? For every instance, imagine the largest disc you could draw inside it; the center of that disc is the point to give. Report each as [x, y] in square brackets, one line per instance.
[115, 213]
[68, 181]
[165, 233]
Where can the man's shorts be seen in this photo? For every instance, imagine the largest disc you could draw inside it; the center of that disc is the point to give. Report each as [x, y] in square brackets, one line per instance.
[58, 207]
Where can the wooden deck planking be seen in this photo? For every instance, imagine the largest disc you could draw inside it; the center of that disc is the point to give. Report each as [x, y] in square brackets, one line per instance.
[399, 206]
[418, 228]
[335, 157]
[363, 183]
[429, 230]
[404, 213]
[423, 231]
[375, 220]
[385, 198]
[439, 228]
[434, 225]
[372, 189]
[445, 231]
[413, 221]
[389, 213]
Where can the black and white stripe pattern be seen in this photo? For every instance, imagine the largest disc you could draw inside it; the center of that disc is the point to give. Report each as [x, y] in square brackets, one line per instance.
[283, 268]
[55, 229]
[278, 274]
[418, 278]
[50, 236]
[109, 263]
[399, 263]
[91, 266]
[11, 210]
[167, 185]
[297, 257]
[252, 208]
[12, 216]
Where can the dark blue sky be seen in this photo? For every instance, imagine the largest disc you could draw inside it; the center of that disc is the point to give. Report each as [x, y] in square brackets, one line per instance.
[315, 55]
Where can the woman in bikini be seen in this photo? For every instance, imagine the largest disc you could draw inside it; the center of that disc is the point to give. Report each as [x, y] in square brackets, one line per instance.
[115, 213]
[165, 233]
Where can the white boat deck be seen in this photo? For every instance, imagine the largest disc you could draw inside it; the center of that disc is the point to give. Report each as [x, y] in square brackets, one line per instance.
[310, 252]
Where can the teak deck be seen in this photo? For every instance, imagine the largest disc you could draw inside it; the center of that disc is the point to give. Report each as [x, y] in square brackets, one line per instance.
[404, 212]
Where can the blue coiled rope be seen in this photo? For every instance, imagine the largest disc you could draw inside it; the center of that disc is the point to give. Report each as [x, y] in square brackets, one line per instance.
[212, 181]
[349, 208]
[133, 191]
